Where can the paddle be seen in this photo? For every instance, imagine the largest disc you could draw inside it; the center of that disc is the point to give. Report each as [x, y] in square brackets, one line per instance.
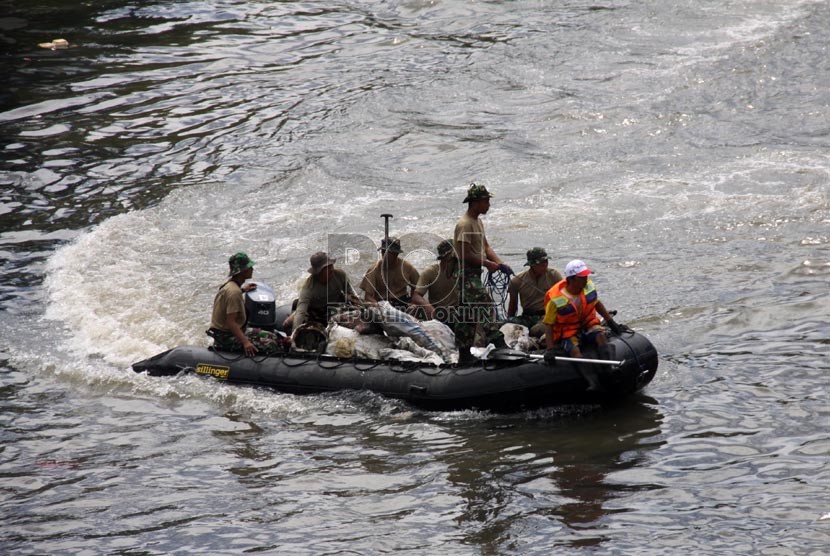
[516, 355]
[385, 243]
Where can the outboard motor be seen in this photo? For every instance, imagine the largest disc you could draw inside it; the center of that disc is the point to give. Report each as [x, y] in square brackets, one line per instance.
[261, 307]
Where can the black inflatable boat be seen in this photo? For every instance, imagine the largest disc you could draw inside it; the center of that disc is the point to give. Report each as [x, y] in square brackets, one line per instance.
[507, 380]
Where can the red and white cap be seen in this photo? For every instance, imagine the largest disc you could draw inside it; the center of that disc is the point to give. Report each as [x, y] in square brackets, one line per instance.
[577, 268]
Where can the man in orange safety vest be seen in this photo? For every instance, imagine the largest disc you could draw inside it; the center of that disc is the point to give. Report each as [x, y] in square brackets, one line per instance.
[571, 321]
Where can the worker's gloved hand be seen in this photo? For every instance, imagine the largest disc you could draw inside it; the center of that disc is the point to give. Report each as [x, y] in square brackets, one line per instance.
[618, 328]
[550, 357]
[506, 269]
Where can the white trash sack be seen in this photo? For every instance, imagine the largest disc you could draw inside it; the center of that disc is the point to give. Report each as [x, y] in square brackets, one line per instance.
[407, 350]
[517, 336]
[432, 334]
[347, 343]
[482, 353]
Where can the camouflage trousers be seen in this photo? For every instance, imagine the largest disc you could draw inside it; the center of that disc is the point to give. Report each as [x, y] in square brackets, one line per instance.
[475, 322]
[265, 342]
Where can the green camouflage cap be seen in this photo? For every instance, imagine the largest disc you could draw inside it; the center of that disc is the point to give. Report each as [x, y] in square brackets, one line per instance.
[475, 192]
[535, 256]
[239, 262]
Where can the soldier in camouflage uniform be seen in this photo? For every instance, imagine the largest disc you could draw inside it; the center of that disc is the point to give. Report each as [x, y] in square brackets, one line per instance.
[476, 315]
[265, 342]
[228, 319]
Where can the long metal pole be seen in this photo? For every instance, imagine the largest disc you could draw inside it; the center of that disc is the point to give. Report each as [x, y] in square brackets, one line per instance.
[582, 360]
[384, 264]
[386, 218]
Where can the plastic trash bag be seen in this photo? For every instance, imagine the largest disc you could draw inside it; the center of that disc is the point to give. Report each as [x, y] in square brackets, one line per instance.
[432, 334]
[347, 343]
[407, 344]
[518, 337]
[482, 353]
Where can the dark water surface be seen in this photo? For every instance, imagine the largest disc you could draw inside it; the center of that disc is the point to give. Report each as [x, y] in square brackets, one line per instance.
[681, 148]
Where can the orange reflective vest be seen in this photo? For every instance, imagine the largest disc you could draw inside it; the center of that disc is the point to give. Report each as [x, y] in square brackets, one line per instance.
[572, 317]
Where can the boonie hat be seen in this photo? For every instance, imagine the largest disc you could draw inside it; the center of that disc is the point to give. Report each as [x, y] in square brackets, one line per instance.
[391, 244]
[319, 261]
[444, 249]
[577, 268]
[238, 262]
[536, 255]
[476, 192]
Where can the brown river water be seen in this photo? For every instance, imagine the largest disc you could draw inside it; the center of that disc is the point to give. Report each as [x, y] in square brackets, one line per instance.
[680, 148]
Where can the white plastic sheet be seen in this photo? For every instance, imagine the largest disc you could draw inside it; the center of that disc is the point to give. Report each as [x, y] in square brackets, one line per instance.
[518, 337]
[432, 334]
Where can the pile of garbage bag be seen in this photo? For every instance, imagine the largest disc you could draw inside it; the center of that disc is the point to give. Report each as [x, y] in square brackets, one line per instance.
[384, 332]
[404, 338]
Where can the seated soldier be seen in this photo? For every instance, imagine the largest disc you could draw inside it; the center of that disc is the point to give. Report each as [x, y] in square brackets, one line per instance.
[322, 293]
[529, 287]
[228, 322]
[438, 282]
[391, 278]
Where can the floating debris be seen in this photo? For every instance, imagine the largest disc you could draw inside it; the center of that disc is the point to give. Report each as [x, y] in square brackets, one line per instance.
[56, 44]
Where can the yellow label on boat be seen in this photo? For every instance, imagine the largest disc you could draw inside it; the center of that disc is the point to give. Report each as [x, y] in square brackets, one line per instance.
[212, 370]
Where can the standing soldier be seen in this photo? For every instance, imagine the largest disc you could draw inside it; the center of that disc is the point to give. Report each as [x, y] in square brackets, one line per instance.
[474, 252]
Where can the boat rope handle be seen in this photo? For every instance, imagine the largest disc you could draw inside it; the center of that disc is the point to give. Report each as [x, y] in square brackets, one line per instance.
[633, 351]
[287, 364]
[229, 359]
